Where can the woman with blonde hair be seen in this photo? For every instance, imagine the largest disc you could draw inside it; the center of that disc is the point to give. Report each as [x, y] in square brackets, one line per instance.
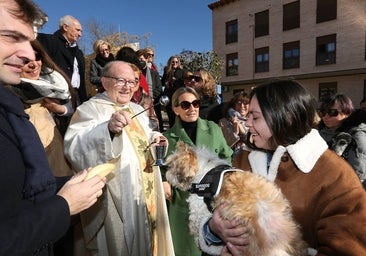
[103, 55]
[204, 83]
[194, 131]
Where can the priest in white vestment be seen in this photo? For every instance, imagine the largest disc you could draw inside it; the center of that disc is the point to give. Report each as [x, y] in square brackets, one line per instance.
[131, 217]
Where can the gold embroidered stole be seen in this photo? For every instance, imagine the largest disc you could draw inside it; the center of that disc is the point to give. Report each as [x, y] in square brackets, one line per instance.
[140, 143]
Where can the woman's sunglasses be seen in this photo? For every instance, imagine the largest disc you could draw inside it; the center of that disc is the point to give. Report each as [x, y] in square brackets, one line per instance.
[38, 56]
[186, 105]
[331, 112]
[196, 78]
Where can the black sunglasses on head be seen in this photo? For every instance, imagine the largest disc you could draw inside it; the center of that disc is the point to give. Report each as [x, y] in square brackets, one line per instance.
[186, 104]
[331, 112]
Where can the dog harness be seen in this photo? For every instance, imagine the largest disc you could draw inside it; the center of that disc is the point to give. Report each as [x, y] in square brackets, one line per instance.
[210, 185]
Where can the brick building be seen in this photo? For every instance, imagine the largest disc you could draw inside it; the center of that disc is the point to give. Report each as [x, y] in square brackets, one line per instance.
[320, 43]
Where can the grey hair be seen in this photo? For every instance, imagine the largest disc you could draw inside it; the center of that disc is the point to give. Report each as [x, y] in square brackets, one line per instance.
[66, 20]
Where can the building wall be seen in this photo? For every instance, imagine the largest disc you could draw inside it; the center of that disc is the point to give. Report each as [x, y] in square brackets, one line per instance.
[352, 85]
[350, 26]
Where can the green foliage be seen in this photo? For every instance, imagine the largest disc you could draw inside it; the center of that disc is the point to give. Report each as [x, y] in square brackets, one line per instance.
[206, 60]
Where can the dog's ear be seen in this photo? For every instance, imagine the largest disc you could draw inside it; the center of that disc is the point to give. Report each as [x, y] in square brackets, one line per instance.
[181, 146]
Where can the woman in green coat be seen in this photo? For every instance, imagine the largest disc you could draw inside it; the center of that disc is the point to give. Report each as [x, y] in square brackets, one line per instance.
[194, 131]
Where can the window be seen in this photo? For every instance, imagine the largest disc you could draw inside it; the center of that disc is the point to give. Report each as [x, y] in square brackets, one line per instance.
[326, 10]
[262, 59]
[291, 55]
[232, 64]
[291, 15]
[326, 90]
[232, 31]
[262, 23]
[326, 50]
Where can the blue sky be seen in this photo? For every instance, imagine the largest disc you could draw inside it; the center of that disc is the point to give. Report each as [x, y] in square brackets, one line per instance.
[173, 25]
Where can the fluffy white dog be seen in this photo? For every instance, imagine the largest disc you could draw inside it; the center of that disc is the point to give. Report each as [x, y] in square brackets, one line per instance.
[249, 197]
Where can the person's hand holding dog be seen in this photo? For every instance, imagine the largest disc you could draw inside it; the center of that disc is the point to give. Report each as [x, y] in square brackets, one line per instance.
[234, 233]
[167, 190]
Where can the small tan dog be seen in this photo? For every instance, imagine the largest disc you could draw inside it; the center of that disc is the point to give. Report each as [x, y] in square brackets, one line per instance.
[249, 197]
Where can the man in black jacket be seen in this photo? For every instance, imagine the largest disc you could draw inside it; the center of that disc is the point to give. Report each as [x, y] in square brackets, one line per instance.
[62, 48]
[35, 211]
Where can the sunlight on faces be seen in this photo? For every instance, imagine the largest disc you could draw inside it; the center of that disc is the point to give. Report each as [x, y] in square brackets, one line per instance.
[32, 69]
[15, 36]
[242, 107]
[194, 83]
[189, 115]
[333, 122]
[121, 94]
[150, 56]
[175, 63]
[104, 50]
[73, 32]
[258, 127]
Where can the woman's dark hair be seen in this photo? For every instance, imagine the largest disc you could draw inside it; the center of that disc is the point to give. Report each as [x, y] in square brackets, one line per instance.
[29, 12]
[288, 109]
[344, 101]
[48, 66]
[127, 54]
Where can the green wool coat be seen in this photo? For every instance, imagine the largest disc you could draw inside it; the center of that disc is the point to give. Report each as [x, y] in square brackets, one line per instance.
[209, 134]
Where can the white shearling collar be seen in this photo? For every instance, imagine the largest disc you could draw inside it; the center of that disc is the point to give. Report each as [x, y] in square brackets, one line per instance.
[305, 153]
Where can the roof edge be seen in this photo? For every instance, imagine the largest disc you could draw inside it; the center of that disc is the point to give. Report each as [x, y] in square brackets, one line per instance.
[220, 3]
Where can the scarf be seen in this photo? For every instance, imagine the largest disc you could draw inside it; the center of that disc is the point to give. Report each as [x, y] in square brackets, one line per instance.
[52, 85]
[149, 81]
[102, 61]
[39, 182]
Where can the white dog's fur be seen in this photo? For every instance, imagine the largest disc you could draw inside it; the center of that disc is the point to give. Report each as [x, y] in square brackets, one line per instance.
[249, 197]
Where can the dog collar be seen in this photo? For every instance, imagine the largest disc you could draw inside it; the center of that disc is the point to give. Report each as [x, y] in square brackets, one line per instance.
[210, 185]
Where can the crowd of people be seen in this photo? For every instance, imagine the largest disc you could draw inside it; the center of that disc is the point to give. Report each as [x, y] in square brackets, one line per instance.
[52, 134]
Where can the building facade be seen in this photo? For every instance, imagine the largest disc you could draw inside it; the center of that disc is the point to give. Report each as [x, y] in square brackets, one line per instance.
[319, 43]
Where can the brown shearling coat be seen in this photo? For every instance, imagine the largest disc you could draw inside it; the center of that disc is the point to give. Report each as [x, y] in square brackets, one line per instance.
[328, 202]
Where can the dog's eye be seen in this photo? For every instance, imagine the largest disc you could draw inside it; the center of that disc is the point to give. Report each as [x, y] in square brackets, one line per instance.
[184, 179]
[188, 179]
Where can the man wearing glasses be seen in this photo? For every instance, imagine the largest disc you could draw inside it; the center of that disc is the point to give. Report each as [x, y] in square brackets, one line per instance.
[128, 219]
[35, 210]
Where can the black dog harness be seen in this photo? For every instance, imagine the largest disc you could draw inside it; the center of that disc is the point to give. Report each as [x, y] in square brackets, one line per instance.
[210, 185]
